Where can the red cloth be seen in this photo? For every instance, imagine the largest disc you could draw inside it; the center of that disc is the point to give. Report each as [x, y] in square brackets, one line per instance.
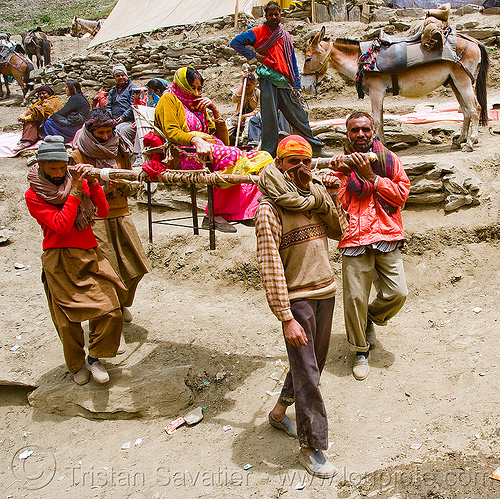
[154, 166]
[275, 56]
[100, 100]
[141, 99]
[58, 222]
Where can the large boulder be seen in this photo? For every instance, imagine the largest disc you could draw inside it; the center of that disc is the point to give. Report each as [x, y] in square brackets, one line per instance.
[142, 390]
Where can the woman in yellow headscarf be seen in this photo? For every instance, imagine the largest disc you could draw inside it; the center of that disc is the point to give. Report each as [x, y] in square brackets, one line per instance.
[182, 115]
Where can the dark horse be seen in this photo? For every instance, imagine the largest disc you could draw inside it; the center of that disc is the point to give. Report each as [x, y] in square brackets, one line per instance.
[36, 44]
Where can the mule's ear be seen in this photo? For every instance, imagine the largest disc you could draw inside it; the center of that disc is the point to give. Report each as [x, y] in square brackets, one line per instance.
[316, 39]
[322, 33]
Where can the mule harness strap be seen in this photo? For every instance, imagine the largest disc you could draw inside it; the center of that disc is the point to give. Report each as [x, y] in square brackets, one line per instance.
[96, 29]
[19, 64]
[320, 70]
[323, 65]
[460, 56]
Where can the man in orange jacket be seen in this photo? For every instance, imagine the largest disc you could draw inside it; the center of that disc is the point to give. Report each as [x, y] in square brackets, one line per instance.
[373, 195]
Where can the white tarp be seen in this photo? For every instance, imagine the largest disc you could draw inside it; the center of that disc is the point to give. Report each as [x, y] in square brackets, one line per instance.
[130, 17]
[429, 4]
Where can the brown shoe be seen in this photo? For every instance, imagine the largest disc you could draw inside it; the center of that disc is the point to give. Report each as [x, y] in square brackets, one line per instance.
[223, 226]
[286, 424]
[249, 222]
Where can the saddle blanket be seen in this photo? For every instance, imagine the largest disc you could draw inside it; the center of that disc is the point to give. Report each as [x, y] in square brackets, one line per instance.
[394, 58]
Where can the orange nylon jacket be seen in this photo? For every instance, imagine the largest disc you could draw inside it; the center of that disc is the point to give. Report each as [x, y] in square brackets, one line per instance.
[368, 221]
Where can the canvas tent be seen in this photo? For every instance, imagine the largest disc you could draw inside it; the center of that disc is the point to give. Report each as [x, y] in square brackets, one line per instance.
[429, 4]
[131, 17]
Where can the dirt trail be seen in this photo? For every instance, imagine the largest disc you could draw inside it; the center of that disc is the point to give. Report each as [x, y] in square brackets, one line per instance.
[423, 425]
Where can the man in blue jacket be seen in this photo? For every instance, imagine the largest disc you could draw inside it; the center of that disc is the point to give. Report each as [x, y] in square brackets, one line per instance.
[120, 102]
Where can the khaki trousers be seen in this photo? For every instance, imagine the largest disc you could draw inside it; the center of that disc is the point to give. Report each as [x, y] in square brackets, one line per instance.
[120, 244]
[358, 273]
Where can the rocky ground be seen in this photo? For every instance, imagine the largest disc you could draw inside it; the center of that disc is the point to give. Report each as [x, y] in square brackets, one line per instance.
[423, 425]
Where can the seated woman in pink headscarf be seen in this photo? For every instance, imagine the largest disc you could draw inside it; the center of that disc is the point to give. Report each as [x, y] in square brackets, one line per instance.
[181, 114]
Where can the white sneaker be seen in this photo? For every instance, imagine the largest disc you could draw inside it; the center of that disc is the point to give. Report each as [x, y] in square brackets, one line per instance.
[127, 315]
[82, 376]
[360, 368]
[98, 372]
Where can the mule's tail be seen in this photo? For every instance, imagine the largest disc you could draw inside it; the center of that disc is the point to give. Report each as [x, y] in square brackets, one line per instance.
[481, 85]
[29, 68]
[46, 46]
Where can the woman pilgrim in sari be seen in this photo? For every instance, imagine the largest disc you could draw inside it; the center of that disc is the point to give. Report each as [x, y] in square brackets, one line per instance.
[98, 144]
[181, 114]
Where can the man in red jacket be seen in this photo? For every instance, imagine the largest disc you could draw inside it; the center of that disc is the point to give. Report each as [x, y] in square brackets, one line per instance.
[79, 282]
[373, 194]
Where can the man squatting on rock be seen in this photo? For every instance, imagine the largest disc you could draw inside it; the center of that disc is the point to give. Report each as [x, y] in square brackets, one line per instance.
[79, 282]
[279, 81]
[372, 194]
[295, 216]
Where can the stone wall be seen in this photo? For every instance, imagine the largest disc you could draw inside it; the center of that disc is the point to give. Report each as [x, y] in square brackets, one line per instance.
[437, 183]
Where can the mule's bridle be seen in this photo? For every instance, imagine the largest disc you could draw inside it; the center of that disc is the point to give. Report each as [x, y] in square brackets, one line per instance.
[321, 69]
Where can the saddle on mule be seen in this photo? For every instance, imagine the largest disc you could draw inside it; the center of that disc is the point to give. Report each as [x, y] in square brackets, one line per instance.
[391, 56]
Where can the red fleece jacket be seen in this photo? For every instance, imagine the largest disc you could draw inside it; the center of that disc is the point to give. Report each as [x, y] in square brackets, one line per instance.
[58, 221]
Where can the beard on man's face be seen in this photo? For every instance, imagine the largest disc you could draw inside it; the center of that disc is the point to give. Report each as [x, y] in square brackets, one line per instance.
[55, 180]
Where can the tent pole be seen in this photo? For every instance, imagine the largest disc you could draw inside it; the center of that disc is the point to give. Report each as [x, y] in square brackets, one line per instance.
[313, 11]
[236, 14]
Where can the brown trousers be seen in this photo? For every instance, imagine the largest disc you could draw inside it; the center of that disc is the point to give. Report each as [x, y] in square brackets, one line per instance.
[120, 244]
[81, 285]
[31, 132]
[104, 337]
[301, 384]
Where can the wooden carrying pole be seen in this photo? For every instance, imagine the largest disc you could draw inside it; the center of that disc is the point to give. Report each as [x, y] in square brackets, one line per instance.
[186, 177]
[172, 176]
[236, 14]
[241, 110]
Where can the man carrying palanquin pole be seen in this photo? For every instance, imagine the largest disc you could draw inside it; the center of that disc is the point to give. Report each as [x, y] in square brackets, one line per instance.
[295, 217]
[79, 282]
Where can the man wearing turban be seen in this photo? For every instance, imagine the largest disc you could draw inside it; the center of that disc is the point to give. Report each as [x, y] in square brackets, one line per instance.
[295, 217]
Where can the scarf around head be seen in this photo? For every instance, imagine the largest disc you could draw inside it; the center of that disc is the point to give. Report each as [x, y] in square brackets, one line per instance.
[293, 145]
[276, 35]
[185, 93]
[104, 153]
[58, 194]
[278, 187]
[383, 167]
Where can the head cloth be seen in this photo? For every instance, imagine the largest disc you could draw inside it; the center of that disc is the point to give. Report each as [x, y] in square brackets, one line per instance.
[293, 145]
[180, 79]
